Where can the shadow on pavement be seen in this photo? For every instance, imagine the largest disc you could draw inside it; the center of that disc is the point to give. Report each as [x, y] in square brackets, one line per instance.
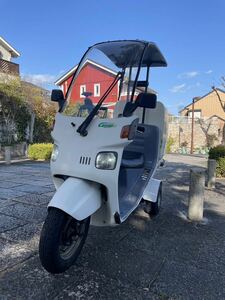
[167, 257]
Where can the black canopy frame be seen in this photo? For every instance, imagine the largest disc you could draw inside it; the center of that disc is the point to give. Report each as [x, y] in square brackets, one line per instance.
[121, 53]
[112, 49]
[150, 57]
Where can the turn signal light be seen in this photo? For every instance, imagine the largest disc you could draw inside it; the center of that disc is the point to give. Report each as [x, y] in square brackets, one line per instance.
[125, 132]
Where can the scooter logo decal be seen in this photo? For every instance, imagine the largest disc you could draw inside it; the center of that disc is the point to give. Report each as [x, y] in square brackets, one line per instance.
[106, 125]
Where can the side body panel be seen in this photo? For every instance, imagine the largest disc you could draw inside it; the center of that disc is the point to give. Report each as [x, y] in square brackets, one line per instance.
[151, 190]
[157, 116]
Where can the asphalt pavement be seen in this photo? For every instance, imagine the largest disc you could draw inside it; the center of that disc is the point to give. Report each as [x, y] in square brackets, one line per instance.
[167, 257]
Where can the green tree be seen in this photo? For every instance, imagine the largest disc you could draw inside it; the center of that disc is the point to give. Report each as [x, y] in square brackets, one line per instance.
[42, 112]
[14, 113]
[22, 106]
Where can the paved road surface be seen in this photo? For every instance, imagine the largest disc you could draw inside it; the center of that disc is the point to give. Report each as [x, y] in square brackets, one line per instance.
[162, 258]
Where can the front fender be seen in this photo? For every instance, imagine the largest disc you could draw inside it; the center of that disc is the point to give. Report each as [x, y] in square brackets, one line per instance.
[77, 197]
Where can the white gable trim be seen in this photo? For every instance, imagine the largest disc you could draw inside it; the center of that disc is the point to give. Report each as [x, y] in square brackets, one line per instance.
[9, 48]
[65, 76]
[71, 71]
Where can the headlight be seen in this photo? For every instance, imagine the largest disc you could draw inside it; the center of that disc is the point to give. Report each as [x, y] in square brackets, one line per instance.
[106, 160]
[55, 153]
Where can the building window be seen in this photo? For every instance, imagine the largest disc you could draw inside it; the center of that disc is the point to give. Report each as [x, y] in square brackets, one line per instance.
[1, 55]
[197, 113]
[97, 90]
[82, 90]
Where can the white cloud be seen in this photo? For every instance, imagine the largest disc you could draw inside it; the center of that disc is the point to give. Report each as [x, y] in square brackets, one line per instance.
[208, 72]
[178, 88]
[192, 86]
[39, 79]
[190, 74]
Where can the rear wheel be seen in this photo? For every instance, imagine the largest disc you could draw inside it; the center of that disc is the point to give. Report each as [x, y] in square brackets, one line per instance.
[152, 208]
[62, 238]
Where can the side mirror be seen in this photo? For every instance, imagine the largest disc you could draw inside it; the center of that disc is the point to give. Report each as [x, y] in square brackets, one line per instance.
[57, 96]
[146, 100]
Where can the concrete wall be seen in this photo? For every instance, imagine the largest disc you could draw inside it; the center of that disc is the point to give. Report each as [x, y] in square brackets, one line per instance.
[206, 131]
[17, 151]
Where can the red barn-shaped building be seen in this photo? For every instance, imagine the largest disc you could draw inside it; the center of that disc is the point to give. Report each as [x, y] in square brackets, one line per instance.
[93, 78]
[96, 79]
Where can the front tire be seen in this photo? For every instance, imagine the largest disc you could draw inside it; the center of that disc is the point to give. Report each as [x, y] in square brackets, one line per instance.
[61, 241]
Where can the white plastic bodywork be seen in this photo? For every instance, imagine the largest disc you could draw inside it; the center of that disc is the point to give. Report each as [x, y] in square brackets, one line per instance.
[151, 190]
[76, 161]
[77, 197]
[157, 117]
[75, 151]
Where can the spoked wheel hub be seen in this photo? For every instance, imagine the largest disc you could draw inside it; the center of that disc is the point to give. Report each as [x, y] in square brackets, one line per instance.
[71, 237]
[62, 238]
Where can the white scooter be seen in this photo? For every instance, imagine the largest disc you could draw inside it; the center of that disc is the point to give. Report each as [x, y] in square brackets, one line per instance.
[103, 168]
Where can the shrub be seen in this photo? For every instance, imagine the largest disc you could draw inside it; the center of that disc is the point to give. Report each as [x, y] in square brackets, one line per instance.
[170, 142]
[40, 151]
[220, 167]
[218, 153]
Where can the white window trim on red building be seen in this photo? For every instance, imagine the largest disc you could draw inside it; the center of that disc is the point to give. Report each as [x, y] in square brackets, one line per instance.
[82, 90]
[97, 91]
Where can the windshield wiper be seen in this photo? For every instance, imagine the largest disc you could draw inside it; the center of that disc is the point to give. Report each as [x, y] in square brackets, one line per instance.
[82, 129]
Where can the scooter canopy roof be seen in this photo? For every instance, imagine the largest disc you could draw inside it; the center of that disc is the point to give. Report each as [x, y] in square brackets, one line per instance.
[127, 53]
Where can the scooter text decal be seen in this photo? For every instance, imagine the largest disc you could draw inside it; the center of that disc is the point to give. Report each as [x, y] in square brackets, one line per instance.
[106, 125]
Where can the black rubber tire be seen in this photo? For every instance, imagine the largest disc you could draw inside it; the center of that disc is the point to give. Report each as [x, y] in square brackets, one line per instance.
[50, 239]
[152, 208]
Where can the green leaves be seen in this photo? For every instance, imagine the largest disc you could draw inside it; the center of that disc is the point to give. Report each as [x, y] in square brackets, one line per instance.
[20, 100]
[40, 151]
[218, 153]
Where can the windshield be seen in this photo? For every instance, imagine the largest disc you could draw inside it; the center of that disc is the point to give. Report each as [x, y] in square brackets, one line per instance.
[108, 70]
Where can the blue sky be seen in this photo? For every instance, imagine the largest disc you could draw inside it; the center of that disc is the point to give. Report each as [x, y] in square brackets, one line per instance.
[52, 35]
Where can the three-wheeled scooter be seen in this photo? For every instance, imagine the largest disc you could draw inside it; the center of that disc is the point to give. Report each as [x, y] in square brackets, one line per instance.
[103, 167]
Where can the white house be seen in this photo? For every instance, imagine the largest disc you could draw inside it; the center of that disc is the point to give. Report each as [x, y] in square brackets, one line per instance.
[7, 53]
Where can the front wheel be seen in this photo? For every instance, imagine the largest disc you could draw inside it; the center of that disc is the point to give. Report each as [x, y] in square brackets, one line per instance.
[62, 238]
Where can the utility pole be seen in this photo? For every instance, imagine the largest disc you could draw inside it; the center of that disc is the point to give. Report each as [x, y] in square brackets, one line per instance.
[192, 126]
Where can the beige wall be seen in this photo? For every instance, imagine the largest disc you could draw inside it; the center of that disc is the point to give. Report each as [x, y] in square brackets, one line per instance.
[209, 105]
[6, 54]
[179, 130]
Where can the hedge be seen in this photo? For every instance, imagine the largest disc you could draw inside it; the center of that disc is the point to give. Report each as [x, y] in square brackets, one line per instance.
[40, 151]
[218, 153]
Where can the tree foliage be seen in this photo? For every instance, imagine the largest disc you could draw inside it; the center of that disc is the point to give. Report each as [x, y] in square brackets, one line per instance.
[19, 102]
[218, 153]
[14, 113]
[38, 103]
